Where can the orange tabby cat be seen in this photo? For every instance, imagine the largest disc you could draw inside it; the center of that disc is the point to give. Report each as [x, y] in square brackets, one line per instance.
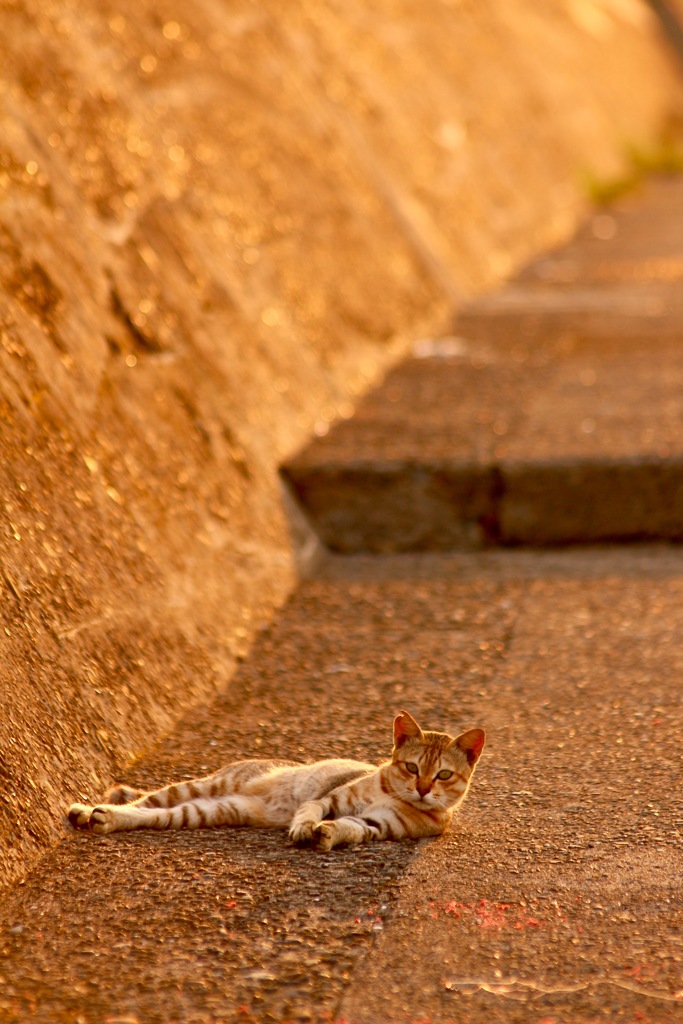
[324, 804]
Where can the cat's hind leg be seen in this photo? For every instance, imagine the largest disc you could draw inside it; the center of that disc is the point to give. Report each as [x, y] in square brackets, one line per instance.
[122, 794]
[231, 811]
[211, 789]
[81, 815]
[227, 781]
[177, 793]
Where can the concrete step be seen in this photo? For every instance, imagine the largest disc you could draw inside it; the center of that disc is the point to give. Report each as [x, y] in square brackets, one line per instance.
[554, 415]
[554, 896]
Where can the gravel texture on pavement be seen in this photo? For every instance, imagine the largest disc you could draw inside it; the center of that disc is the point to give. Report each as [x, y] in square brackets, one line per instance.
[554, 897]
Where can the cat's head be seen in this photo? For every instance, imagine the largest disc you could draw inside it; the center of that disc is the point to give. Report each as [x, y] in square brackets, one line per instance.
[432, 769]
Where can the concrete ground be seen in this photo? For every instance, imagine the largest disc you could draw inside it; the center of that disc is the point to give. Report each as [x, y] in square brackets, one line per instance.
[556, 896]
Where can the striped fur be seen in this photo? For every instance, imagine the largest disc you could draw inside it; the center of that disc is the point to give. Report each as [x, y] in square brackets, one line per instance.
[324, 804]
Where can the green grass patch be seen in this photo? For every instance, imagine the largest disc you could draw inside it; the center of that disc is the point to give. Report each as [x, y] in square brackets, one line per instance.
[662, 157]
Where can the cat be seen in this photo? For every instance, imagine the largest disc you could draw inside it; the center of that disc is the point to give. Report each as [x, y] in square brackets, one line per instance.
[324, 804]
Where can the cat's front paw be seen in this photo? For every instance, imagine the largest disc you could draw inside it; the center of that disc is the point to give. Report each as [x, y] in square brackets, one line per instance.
[301, 833]
[323, 836]
[79, 815]
[121, 794]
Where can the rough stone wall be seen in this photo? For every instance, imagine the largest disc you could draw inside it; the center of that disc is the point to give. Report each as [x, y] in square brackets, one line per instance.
[218, 223]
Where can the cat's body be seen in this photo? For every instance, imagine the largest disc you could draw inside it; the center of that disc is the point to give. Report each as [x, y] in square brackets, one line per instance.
[323, 804]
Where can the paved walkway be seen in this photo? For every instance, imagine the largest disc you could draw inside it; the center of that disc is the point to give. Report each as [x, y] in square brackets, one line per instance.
[554, 415]
[555, 897]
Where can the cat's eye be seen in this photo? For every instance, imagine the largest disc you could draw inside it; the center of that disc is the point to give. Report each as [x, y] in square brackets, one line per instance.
[412, 768]
[444, 774]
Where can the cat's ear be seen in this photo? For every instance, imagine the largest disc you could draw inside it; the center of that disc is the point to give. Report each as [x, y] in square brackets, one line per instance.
[471, 743]
[406, 728]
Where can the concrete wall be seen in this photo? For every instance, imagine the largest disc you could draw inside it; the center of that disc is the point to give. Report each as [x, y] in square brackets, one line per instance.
[218, 223]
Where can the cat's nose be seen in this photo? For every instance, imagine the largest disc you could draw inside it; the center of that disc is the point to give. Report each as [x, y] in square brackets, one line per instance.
[423, 789]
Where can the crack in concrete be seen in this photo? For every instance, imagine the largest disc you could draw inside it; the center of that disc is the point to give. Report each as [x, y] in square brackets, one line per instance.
[518, 988]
